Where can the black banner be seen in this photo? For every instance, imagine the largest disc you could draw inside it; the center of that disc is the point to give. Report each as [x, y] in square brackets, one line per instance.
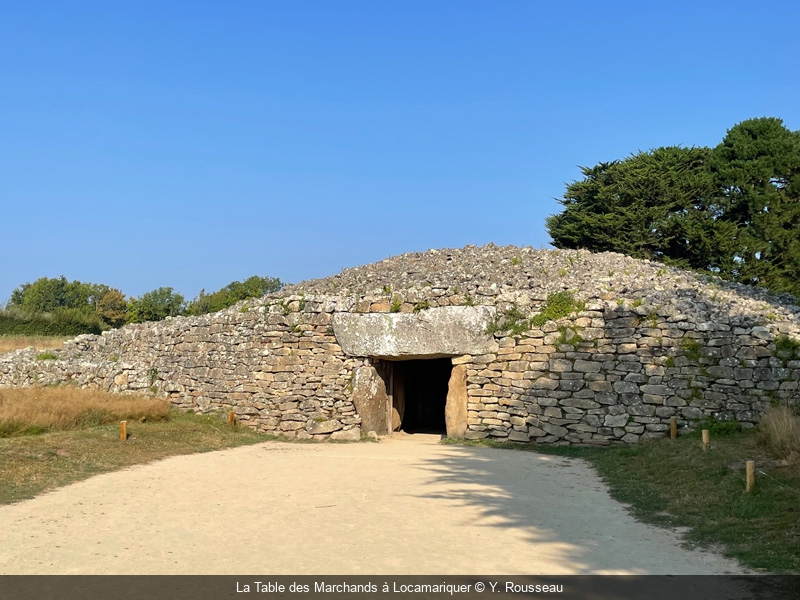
[341, 587]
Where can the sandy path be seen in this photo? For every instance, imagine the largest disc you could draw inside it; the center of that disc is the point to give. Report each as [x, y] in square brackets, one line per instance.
[403, 506]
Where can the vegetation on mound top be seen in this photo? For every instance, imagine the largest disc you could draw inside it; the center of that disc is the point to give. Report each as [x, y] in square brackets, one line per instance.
[557, 306]
[514, 321]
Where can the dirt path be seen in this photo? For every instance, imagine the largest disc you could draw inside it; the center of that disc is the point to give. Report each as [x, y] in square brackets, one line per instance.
[402, 506]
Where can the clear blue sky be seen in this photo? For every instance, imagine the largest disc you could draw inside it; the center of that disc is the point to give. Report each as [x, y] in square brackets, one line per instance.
[188, 144]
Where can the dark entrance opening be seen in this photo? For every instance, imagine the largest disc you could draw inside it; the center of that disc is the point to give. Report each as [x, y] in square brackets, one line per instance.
[420, 394]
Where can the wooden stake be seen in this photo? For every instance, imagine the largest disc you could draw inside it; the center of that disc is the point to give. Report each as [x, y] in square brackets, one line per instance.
[123, 430]
[750, 468]
[232, 419]
[706, 440]
[673, 428]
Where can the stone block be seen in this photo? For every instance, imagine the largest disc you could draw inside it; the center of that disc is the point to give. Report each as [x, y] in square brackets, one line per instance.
[587, 366]
[519, 436]
[555, 430]
[318, 427]
[583, 403]
[616, 420]
[626, 387]
[560, 365]
[545, 383]
[571, 385]
[347, 435]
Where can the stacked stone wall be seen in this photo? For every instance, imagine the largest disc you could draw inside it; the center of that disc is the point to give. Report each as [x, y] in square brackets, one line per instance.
[609, 374]
[648, 344]
[275, 363]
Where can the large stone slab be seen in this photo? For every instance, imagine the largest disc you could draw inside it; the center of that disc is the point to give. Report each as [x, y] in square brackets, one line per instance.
[370, 399]
[435, 332]
[455, 411]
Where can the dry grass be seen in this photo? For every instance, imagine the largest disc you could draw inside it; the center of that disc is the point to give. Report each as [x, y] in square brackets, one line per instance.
[9, 343]
[779, 431]
[38, 410]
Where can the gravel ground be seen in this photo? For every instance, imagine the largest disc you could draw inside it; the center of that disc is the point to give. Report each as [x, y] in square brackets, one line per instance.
[406, 505]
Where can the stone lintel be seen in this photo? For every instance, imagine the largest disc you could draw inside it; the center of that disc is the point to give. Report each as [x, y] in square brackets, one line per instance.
[431, 333]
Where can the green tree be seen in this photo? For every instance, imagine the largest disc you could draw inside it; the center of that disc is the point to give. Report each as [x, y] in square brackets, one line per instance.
[757, 173]
[655, 205]
[733, 210]
[155, 305]
[253, 287]
[112, 308]
[48, 294]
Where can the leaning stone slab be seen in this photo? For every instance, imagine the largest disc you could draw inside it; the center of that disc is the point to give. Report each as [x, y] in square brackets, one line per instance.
[370, 399]
[435, 332]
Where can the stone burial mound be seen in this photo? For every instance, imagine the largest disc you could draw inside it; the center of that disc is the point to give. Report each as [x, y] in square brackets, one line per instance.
[499, 342]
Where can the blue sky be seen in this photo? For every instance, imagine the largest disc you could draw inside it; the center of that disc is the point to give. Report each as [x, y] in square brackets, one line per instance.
[188, 144]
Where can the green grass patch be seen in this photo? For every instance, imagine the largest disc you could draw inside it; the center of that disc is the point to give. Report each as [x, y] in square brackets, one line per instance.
[32, 464]
[558, 305]
[692, 349]
[425, 305]
[676, 484]
[511, 321]
[784, 343]
[46, 356]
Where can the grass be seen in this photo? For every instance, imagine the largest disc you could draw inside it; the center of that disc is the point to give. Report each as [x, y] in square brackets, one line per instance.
[784, 343]
[511, 321]
[560, 304]
[779, 431]
[51, 437]
[693, 349]
[33, 464]
[676, 484]
[9, 343]
[34, 410]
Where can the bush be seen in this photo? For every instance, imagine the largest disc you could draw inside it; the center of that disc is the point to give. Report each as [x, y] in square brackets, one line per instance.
[779, 431]
[253, 287]
[718, 428]
[155, 306]
[61, 322]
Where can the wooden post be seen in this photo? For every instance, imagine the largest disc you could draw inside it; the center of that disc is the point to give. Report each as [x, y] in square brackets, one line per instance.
[123, 430]
[232, 419]
[750, 468]
[673, 428]
[706, 440]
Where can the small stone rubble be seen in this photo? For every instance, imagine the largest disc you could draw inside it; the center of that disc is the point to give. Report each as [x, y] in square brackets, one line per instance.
[648, 343]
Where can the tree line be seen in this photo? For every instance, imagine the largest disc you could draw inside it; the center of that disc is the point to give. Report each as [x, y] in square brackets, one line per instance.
[732, 210]
[56, 306]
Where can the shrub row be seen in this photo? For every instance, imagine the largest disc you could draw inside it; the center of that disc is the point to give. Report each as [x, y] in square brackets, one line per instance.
[61, 322]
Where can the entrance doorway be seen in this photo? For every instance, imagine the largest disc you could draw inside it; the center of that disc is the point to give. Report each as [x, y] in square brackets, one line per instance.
[419, 395]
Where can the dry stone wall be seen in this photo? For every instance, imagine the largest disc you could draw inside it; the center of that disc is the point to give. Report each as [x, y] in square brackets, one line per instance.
[648, 343]
[611, 374]
[275, 362]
